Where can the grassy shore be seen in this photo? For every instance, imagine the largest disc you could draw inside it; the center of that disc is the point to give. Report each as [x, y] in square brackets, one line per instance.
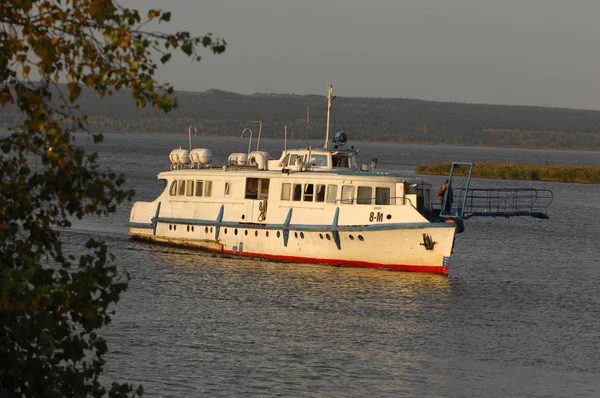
[512, 171]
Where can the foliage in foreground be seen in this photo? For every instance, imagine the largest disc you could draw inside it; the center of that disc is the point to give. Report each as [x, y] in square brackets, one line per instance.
[52, 303]
[513, 171]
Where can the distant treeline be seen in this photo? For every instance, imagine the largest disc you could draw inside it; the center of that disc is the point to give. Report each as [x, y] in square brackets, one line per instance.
[512, 171]
[215, 112]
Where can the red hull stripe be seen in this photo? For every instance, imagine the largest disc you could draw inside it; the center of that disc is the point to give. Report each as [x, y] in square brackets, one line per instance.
[402, 267]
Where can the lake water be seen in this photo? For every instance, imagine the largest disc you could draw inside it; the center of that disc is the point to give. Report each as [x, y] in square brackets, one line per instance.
[518, 314]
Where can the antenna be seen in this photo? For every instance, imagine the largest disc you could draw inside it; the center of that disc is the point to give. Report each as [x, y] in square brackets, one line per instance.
[259, 131]
[307, 122]
[190, 135]
[329, 100]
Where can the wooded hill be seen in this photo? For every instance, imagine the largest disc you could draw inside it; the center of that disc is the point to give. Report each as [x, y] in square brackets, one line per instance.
[216, 112]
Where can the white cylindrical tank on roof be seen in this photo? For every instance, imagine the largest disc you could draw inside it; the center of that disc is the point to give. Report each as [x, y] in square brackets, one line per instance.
[237, 159]
[174, 156]
[201, 155]
[183, 156]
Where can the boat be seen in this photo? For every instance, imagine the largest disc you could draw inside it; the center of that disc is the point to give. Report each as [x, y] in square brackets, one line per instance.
[309, 205]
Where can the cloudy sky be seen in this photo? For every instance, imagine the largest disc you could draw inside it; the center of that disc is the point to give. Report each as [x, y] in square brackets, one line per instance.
[522, 52]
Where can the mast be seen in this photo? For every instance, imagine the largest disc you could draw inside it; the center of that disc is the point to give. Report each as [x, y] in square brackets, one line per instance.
[307, 122]
[329, 99]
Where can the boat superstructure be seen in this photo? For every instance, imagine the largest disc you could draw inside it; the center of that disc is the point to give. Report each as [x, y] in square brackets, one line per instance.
[308, 205]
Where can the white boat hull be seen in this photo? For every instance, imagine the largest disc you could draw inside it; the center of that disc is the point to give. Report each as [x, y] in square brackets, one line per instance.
[424, 248]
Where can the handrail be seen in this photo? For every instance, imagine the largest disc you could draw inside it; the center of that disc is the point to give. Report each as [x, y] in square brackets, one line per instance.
[506, 202]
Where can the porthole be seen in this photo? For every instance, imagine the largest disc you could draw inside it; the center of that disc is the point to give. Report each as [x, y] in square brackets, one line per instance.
[243, 217]
[301, 235]
[170, 227]
[211, 230]
[321, 236]
[360, 238]
[278, 234]
[206, 229]
[255, 233]
[192, 228]
[328, 237]
[188, 228]
[389, 217]
[246, 232]
[174, 227]
[351, 237]
[267, 234]
[296, 235]
[225, 231]
[235, 232]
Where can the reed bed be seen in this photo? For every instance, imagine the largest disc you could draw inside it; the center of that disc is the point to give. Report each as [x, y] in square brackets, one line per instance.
[513, 171]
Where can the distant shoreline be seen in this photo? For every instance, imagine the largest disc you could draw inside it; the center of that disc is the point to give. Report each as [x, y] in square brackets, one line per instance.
[583, 149]
[541, 148]
[513, 171]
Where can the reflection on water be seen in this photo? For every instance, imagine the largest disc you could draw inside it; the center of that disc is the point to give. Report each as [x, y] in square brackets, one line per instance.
[221, 318]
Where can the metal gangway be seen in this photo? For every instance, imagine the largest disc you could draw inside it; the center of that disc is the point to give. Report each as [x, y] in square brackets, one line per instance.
[493, 202]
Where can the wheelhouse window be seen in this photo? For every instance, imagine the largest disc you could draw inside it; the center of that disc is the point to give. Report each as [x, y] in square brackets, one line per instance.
[181, 188]
[364, 195]
[320, 193]
[309, 190]
[347, 194]
[286, 189]
[189, 189]
[341, 160]
[227, 190]
[173, 188]
[382, 196]
[318, 160]
[331, 193]
[207, 188]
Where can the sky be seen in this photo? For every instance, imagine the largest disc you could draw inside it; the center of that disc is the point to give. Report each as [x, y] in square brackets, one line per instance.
[514, 52]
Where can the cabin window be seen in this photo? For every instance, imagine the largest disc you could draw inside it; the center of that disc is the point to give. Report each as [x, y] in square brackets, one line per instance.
[199, 188]
[227, 190]
[318, 160]
[264, 188]
[309, 190]
[297, 196]
[207, 188]
[320, 193]
[189, 188]
[382, 196]
[347, 194]
[286, 190]
[331, 193]
[181, 188]
[173, 188]
[364, 195]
